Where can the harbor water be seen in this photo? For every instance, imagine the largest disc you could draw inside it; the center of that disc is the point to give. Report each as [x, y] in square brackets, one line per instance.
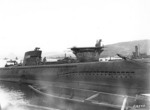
[15, 96]
[19, 96]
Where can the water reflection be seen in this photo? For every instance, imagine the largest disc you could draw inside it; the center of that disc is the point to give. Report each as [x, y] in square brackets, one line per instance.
[18, 96]
[14, 96]
[8, 97]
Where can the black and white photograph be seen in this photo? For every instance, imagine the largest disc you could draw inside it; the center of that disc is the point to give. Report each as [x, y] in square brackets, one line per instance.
[74, 54]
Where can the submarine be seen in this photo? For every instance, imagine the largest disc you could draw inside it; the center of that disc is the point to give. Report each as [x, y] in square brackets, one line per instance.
[84, 79]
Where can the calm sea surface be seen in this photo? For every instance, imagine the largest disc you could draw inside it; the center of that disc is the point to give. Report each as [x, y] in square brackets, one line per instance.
[15, 96]
[18, 96]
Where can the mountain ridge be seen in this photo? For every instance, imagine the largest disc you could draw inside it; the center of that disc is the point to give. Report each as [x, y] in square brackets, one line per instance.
[110, 50]
[126, 48]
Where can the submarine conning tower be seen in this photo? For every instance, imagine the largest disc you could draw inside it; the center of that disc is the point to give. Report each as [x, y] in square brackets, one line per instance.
[32, 57]
[88, 54]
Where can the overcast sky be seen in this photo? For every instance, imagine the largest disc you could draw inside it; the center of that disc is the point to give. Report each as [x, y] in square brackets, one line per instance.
[54, 25]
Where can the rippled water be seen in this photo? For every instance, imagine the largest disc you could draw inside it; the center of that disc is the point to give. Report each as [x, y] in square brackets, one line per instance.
[18, 96]
[14, 96]
[10, 97]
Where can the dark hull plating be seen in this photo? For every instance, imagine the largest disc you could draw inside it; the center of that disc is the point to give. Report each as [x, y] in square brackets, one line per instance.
[92, 84]
[123, 77]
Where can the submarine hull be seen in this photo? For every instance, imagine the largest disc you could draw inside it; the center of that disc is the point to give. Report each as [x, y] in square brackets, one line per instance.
[123, 77]
[90, 85]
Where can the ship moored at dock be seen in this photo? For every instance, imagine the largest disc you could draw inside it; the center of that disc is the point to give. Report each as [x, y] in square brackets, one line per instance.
[86, 73]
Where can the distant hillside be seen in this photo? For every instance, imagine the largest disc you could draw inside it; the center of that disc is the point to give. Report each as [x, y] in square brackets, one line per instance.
[126, 48]
[57, 54]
